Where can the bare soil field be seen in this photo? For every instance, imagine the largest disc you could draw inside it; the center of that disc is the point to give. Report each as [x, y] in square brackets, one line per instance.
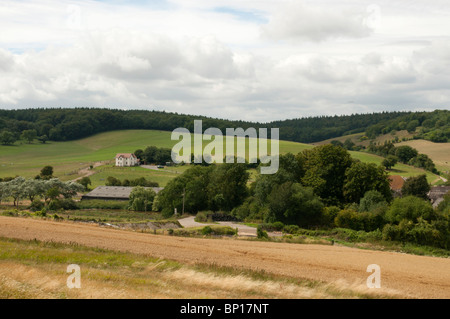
[402, 275]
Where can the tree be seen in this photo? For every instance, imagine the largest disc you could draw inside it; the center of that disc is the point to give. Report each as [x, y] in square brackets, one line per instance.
[15, 189]
[43, 139]
[7, 138]
[348, 144]
[324, 170]
[227, 188]
[33, 188]
[112, 181]
[363, 177]
[389, 161]
[423, 161]
[139, 154]
[85, 181]
[405, 153]
[290, 170]
[294, 204]
[46, 172]
[191, 187]
[410, 208]
[416, 186]
[29, 135]
[371, 201]
[141, 198]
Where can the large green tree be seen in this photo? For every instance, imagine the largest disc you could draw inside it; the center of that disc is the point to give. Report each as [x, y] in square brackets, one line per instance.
[416, 186]
[7, 138]
[29, 135]
[363, 177]
[294, 204]
[228, 186]
[324, 170]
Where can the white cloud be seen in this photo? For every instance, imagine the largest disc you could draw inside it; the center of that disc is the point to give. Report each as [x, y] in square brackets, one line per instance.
[297, 21]
[344, 57]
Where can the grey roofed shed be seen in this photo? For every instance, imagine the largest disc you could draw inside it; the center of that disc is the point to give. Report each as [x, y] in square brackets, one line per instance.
[113, 192]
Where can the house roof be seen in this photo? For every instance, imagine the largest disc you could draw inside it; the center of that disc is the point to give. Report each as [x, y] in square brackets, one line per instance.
[114, 192]
[396, 182]
[438, 191]
[126, 155]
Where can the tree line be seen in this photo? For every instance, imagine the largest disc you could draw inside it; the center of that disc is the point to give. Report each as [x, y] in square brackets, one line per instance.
[61, 124]
[52, 193]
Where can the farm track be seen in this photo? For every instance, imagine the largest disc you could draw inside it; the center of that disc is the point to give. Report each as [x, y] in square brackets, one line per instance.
[402, 275]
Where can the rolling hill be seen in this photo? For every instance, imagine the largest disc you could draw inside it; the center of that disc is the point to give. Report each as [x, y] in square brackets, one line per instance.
[69, 157]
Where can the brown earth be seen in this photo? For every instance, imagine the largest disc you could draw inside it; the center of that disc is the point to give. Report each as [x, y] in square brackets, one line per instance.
[402, 275]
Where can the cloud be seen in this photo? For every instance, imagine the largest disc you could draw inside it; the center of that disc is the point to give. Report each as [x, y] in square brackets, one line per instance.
[297, 21]
[208, 57]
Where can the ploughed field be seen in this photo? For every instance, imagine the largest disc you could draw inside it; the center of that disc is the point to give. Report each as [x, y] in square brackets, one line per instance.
[402, 275]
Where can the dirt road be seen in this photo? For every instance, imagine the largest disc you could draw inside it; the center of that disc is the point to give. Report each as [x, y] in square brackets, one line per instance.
[404, 275]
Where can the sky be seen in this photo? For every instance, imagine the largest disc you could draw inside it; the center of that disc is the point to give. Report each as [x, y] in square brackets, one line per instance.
[236, 59]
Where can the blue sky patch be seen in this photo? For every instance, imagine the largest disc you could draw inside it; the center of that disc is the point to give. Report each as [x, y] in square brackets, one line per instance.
[250, 16]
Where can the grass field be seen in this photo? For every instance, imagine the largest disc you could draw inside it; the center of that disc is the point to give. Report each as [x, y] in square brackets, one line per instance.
[68, 158]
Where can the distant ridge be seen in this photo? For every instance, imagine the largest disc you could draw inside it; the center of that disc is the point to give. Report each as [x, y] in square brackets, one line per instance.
[60, 124]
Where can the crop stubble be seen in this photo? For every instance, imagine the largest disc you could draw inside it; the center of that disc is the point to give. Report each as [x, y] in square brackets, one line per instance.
[402, 275]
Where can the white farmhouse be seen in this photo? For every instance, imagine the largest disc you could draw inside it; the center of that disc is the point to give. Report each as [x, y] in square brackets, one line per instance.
[126, 159]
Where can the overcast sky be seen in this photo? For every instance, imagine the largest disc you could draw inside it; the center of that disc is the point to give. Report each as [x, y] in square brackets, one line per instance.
[237, 59]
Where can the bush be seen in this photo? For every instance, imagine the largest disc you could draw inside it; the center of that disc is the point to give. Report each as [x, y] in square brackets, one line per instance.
[291, 229]
[328, 215]
[201, 217]
[261, 233]
[207, 230]
[41, 213]
[249, 210]
[411, 208]
[36, 205]
[348, 218]
[54, 205]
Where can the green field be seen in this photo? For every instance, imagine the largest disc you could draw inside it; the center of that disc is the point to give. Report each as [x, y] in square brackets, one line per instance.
[67, 158]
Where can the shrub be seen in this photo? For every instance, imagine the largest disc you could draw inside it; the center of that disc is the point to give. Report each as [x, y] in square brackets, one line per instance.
[41, 213]
[261, 233]
[371, 200]
[207, 230]
[277, 226]
[54, 205]
[201, 217]
[348, 218]
[329, 214]
[291, 229]
[411, 208]
[36, 205]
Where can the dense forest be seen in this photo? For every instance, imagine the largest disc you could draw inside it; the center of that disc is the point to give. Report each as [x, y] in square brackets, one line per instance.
[59, 124]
